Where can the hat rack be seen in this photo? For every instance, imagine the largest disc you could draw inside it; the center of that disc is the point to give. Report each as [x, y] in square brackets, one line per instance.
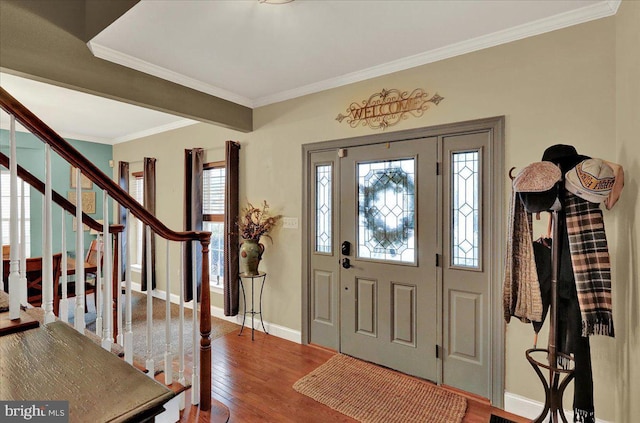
[558, 377]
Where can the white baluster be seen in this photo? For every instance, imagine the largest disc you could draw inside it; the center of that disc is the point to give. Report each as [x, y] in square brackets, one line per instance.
[23, 248]
[107, 311]
[63, 308]
[80, 300]
[128, 334]
[99, 284]
[47, 236]
[181, 378]
[168, 358]
[195, 378]
[14, 276]
[118, 293]
[149, 361]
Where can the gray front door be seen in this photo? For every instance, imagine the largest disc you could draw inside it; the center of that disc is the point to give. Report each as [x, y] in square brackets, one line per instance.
[388, 235]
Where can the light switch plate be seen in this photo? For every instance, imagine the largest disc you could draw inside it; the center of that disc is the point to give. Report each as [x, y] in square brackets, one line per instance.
[290, 222]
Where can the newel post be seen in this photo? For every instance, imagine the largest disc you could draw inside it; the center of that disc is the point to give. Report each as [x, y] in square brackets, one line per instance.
[205, 330]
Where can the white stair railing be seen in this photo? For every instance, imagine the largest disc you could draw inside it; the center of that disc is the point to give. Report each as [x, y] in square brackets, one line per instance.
[105, 263]
[47, 237]
[79, 274]
[63, 308]
[168, 358]
[14, 276]
[181, 378]
[128, 334]
[149, 282]
[195, 389]
[23, 247]
[107, 310]
[118, 293]
[99, 283]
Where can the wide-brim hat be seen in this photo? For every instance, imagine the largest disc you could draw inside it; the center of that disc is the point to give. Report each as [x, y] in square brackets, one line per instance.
[591, 180]
[566, 156]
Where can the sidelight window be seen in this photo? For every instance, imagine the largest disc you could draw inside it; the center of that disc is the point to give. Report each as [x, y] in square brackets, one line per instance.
[465, 209]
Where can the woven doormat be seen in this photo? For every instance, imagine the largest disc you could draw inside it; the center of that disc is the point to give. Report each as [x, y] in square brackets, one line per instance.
[372, 394]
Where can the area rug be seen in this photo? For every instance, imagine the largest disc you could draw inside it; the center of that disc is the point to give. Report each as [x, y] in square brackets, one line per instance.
[219, 327]
[373, 394]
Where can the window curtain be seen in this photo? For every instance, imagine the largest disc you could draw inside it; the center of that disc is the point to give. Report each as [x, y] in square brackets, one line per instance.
[123, 181]
[231, 244]
[193, 165]
[149, 183]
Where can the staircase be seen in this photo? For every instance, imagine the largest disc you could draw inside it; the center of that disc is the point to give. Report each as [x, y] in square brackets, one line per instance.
[69, 365]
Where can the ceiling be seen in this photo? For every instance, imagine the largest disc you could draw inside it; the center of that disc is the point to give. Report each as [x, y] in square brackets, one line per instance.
[256, 54]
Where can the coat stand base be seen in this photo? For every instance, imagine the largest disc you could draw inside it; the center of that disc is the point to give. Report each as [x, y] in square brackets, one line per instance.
[559, 379]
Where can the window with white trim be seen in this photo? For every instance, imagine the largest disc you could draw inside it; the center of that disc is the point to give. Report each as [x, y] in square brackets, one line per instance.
[23, 189]
[213, 181]
[136, 190]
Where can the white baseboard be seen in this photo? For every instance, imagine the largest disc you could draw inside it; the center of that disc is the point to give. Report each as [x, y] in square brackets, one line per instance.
[273, 329]
[529, 408]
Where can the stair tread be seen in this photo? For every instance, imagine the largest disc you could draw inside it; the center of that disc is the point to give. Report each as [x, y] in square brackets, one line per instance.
[25, 322]
[47, 372]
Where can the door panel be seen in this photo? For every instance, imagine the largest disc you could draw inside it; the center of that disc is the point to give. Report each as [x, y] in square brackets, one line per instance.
[324, 285]
[404, 321]
[366, 307]
[388, 293]
[322, 297]
[465, 331]
[466, 284]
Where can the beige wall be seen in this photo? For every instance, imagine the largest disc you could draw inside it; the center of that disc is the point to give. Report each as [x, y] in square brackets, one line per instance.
[554, 88]
[627, 254]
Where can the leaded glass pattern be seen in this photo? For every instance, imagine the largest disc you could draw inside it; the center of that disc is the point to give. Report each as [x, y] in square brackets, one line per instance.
[323, 208]
[465, 209]
[386, 210]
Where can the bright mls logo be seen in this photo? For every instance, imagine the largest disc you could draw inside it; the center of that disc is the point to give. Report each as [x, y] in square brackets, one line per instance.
[388, 107]
[34, 411]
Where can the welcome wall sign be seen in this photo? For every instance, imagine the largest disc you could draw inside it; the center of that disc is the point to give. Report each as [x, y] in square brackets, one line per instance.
[388, 107]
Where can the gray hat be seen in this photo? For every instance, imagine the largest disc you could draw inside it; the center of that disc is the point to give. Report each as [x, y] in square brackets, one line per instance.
[591, 180]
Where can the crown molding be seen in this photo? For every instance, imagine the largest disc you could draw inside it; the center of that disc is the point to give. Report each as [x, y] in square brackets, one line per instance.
[585, 14]
[588, 13]
[126, 60]
[153, 131]
[66, 135]
[614, 5]
[110, 141]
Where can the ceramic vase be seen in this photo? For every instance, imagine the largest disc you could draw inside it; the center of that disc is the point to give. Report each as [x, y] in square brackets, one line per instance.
[250, 254]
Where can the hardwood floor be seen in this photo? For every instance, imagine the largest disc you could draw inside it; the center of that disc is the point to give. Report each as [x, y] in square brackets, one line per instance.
[254, 380]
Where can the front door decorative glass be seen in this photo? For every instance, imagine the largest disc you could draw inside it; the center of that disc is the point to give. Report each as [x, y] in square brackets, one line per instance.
[386, 209]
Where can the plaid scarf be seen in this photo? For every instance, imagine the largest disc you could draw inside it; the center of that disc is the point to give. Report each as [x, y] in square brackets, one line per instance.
[591, 266]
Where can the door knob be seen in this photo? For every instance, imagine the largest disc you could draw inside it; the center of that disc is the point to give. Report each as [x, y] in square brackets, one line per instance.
[346, 263]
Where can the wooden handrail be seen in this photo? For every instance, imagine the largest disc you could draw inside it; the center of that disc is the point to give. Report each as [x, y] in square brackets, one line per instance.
[47, 135]
[38, 185]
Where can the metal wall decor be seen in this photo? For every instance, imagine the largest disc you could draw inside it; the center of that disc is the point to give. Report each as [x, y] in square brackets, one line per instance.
[388, 107]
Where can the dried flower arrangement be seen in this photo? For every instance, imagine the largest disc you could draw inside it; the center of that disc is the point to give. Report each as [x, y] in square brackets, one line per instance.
[255, 222]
